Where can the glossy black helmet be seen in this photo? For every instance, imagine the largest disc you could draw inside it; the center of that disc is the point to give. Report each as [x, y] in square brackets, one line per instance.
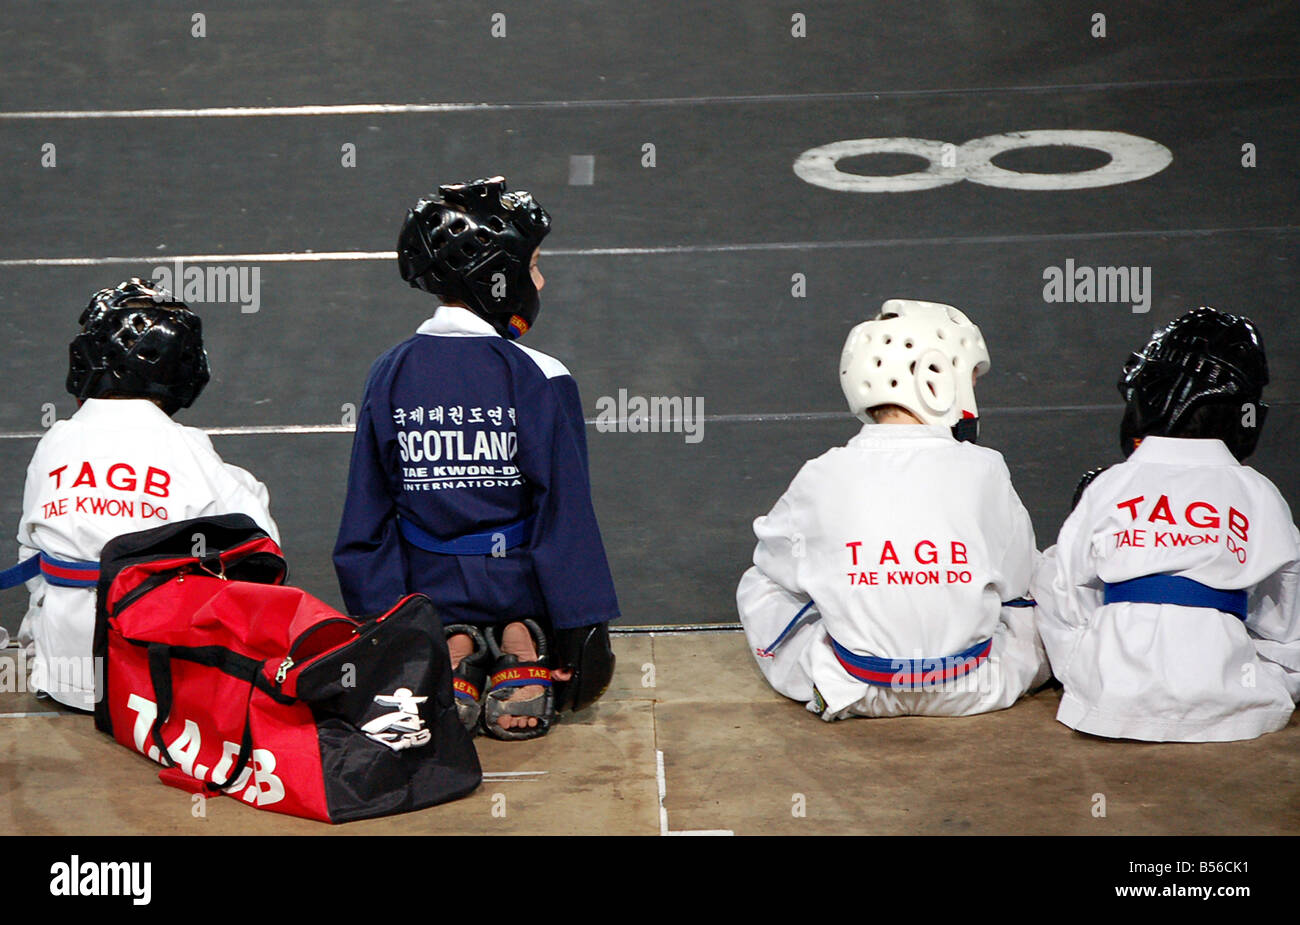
[473, 243]
[137, 340]
[1202, 375]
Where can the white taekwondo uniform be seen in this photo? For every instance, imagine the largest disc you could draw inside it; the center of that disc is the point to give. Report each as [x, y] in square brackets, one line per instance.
[900, 546]
[1173, 671]
[116, 466]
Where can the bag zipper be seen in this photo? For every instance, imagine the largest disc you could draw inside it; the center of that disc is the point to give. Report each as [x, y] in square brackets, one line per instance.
[283, 671]
[190, 566]
[357, 626]
[154, 581]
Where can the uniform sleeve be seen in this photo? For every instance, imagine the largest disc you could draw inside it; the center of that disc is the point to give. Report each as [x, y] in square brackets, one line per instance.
[31, 488]
[778, 615]
[1065, 587]
[1273, 615]
[27, 545]
[240, 493]
[234, 490]
[368, 555]
[782, 541]
[1020, 551]
[779, 625]
[568, 554]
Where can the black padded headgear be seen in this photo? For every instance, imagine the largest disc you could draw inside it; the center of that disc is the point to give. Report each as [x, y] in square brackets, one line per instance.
[456, 242]
[1197, 377]
[137, 340]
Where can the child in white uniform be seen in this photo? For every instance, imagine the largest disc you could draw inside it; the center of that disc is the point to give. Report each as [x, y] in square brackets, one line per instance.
[118, 465]
[1170, 604]
[880, 576]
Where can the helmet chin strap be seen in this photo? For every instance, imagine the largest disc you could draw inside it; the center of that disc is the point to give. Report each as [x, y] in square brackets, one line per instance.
[967, 429]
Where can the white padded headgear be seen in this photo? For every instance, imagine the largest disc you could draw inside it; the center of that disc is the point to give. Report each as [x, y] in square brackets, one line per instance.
[917, 355]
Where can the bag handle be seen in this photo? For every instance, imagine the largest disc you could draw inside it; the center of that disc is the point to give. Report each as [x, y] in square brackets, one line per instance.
[245, 752]
[160, 675]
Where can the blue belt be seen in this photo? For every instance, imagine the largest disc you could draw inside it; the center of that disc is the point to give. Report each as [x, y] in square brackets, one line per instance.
[770, 650]
[66, 573]
[907, 674]
[1174, 589]
[471, 544]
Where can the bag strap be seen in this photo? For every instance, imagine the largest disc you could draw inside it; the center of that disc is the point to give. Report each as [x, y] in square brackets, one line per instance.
[245, 751]
[160, 675]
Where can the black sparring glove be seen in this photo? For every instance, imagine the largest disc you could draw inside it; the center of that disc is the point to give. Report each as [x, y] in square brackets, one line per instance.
[1084, 483]
[584, 650]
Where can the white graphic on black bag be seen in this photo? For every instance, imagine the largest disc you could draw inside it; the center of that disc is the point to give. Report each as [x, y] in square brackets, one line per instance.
[402, 728]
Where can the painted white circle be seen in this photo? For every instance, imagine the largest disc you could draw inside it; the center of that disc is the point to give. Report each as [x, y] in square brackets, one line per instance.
[1131, 158]
[819, 166]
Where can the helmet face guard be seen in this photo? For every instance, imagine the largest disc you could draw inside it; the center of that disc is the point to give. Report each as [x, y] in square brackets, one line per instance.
[473, 243]
[136, 340]
[1201, 376]
[921, 356]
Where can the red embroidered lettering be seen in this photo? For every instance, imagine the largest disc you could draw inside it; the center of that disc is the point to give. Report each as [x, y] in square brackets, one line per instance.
[1132, 505]
[156, 482]
[1211, 520]
[86, 476]
[1161, 511]
[127, 484]
[1238, 524]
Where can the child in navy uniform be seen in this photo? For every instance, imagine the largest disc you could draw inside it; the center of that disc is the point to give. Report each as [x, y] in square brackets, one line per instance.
[469, 478]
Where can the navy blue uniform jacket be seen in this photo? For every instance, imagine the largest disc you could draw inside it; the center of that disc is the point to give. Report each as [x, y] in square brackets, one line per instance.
[462, 431]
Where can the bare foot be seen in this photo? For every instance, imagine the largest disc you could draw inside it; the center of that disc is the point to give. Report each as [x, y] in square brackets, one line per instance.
[460, 646]
[516, 640]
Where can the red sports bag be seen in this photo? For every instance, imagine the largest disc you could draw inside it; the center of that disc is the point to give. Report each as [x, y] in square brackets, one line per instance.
[242, 686]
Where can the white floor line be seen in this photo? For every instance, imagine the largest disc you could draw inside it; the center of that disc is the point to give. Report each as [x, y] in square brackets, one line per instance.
[662, 780]
[348, 109]
[281, 429]
[159, 259]
[499, 776]
[663, 792]
[228, 431]
[759, 418]
[244, 430]
[245, 112]
[41, 713]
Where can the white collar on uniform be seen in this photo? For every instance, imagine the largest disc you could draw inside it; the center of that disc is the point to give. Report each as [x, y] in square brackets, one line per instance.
[875, 432]
[454, 321]
[1204, 452]
[121, 410]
